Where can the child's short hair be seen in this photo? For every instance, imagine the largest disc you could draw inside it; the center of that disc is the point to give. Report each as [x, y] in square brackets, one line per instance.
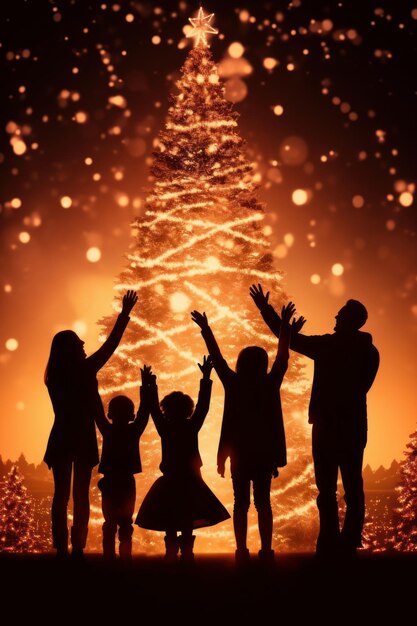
[252, 360]
[177, 405]
[121, 407]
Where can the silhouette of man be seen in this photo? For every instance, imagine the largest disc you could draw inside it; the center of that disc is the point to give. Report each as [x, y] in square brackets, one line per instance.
[345, 366]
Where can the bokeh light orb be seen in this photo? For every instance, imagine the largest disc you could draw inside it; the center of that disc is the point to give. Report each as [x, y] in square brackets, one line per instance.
[179, 302]
[315, 279]
[406, 199]
[12, 344]
[299, 197]
[66, 202]
[93, 254]
[337, 269]
[236, 50]
[293, 150]
[235, 89]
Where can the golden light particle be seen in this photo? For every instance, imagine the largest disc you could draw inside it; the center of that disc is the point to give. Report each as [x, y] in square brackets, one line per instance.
[81, 117]
[358, 201]
[179, 302]
[269, 63]
[315, 279]
[278, 109]
[289, 239]
[236, 50]
[93, 254]
[15, 203]
[66, 202]
[80, 327]
[299, 197]
[337, 269]
[406, 199]
[24, 237]
[156, 40]
[11, 344]
[8, 288]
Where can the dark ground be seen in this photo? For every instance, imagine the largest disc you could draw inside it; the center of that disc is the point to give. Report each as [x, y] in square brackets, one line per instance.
[375, 588]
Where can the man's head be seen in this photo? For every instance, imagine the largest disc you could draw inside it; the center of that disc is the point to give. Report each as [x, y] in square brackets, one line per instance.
[252, 361]
[352, 316]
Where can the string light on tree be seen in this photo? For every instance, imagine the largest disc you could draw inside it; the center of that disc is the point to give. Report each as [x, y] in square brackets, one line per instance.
[199, 244]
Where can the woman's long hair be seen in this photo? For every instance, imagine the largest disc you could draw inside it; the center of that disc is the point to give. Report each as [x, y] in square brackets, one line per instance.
[65, 354]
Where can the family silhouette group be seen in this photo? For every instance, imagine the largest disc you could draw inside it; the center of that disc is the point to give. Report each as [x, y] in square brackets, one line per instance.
[252, 437]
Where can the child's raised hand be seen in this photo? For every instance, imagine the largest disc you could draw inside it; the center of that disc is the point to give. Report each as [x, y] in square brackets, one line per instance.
[258, 296]
[206, 366]
[146, 375]
[287, 312]
[200, 319]
[297, 324]
[129, 301]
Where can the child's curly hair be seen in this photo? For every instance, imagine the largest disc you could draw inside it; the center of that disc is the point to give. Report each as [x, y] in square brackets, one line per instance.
[177, 405]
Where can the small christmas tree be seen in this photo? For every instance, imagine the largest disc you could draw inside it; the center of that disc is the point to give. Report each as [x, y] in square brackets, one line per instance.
[200, 244]
[405, 515]
[17, 524]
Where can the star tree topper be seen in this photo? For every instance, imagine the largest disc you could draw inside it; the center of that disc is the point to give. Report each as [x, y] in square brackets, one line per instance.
[201, 27]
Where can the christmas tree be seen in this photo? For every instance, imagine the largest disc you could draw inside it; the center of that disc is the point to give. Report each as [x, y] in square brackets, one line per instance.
[405, 514]
[200, 244]
[18, 531]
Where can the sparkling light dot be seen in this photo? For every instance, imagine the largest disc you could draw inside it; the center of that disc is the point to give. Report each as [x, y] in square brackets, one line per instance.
[278, 109]
[24, 237]
[269, 63]
[299, 196]
[80, 327]
[93, 254]
[315, 279]
[156, 40]
[179, 302]
[12, 344]
[337, 269]
[390, 224]
[19, 146]
[406, 198]
[15, 203]
[289, 239]
[81, 117]
[66, 202]
[8, 288]
[358, 201]
[236, 50]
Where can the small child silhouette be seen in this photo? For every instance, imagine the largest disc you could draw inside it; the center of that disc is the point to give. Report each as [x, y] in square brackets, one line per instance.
[120, 461]
[252, 432]
[180, 500]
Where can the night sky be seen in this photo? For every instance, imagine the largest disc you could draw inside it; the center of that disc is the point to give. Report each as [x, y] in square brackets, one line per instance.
[326, 94]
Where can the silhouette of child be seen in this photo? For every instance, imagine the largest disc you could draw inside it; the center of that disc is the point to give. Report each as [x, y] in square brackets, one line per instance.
[72, 451]
[180, 500]
[252, 432]
[120, 461]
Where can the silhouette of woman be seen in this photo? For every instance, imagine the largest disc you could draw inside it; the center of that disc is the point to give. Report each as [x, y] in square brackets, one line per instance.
[72, 450]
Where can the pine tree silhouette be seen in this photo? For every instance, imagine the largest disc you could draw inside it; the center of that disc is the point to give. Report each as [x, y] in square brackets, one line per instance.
[18, 532]
[405, 514]
[200, 244]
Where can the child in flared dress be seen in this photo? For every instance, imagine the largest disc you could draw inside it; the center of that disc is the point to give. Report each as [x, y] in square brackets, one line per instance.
[180, 501]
